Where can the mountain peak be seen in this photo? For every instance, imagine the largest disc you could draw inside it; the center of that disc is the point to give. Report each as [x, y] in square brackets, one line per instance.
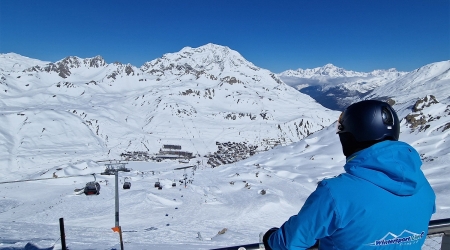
[328, 70]
[331, 71]
[210, 57]
[207, 47]
[76, 62]
[95, 62]
[70, 62]
[329, 65]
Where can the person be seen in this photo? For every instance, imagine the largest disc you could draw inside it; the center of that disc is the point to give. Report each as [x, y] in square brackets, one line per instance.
[383, 199]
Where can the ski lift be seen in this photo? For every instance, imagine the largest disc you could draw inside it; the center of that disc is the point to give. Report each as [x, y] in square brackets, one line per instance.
[127, 185]
[157, 184]
[92, 187]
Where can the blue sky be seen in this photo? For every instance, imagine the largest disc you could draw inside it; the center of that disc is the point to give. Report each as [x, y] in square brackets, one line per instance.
[360, 35]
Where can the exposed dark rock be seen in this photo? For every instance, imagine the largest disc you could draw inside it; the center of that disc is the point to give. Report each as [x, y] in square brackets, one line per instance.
[415, 120]
[427, 101]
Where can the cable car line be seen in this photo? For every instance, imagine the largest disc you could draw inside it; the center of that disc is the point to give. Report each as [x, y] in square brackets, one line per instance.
[48, 178]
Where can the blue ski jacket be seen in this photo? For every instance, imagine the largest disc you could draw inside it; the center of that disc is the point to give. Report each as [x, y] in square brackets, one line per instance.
[382, 201]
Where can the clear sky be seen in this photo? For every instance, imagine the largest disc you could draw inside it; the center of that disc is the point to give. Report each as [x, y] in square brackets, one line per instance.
[360, 35]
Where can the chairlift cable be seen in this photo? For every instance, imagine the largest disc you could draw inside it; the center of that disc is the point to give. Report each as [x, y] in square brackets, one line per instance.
[48, 178]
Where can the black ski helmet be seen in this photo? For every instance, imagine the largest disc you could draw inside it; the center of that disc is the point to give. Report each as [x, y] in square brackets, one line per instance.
[370, 121]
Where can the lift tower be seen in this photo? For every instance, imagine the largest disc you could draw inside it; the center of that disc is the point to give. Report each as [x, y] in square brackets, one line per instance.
[114, 169]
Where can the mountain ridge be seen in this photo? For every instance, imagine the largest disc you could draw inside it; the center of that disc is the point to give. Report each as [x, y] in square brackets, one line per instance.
[198, 96]
[345, 87]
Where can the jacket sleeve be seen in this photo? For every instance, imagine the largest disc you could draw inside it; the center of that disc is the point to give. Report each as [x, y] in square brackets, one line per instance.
[318, 218]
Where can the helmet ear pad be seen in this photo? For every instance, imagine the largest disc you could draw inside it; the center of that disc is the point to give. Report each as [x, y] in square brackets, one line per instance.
[370, 120]
[350, 145]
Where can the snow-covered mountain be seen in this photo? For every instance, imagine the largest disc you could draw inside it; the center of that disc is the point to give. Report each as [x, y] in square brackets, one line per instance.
[430, 79]
[59, 120]
[15, 62]
[197, 98]
[335, 87]
[327, 71]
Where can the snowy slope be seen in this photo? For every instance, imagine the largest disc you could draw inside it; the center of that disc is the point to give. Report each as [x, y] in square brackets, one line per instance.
[59, 134]
[15, 62]
[431, 79]
[228, 198]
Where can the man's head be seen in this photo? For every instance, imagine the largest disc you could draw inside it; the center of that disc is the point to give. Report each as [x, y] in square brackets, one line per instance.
[365, 123]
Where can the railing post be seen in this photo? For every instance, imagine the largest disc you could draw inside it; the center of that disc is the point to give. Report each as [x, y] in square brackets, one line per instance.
[445, 245]
[117, 198]
[63, 236]
[121, 240]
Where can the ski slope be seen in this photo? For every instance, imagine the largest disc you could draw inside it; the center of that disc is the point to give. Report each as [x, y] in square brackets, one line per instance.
[228, 197]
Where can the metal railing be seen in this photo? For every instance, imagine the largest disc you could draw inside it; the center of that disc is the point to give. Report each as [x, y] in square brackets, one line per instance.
[438, 235]
[436, 228]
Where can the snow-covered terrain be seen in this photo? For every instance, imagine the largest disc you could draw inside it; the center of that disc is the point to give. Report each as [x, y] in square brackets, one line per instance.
[16, 62]
[335, 87]
[61, 122]
[194, 98]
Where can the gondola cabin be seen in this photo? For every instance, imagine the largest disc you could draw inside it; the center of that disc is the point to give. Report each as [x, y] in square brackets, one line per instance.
[157, 184]
[174, 184]
[127, 185]
[92, 188]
